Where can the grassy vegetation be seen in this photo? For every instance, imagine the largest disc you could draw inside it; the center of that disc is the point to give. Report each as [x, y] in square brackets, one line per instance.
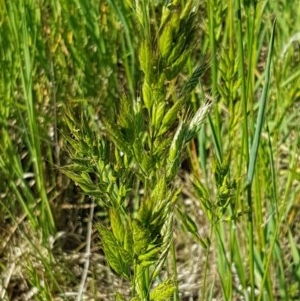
[149, 150]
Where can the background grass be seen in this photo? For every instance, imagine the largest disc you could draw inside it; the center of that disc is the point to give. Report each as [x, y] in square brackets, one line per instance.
[71, 69]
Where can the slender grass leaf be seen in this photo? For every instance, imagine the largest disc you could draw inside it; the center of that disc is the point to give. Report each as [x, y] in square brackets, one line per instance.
[261, 111]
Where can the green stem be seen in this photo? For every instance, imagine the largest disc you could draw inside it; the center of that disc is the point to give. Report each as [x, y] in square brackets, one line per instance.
[174, 264]
[251, 241]
[214, 70]
[243, 84]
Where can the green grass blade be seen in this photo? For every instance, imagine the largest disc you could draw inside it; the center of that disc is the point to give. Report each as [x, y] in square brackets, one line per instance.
[261, 112]
[253, 158]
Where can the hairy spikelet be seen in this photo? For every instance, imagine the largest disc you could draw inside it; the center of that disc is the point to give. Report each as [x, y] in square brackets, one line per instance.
[230, 80]
[193, 80]
[197, 120]
[163, 291]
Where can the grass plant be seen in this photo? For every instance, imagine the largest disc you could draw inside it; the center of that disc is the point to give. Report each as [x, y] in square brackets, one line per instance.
[149, 150]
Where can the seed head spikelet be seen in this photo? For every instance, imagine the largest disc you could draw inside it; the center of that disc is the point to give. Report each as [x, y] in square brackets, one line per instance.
[196, 122]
